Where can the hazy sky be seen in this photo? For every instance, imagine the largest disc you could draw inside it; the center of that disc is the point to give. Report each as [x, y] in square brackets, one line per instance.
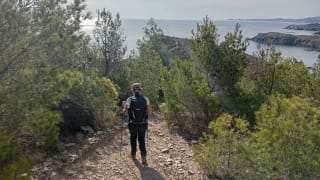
[215, 9]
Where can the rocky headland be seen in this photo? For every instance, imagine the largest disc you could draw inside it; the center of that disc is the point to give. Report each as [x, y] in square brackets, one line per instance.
[306, 27]
[311, 42]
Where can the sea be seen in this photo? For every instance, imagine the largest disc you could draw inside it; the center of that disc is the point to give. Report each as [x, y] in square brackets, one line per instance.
[133, 31]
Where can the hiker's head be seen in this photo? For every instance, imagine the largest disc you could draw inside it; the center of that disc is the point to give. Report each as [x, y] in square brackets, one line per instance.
[136, 88]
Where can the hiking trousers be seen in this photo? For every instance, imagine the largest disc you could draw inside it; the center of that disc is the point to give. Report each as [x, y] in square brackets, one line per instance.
[138, 131]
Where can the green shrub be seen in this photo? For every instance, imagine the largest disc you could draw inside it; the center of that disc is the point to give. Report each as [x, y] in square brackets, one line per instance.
[174, 114]
[95, 94]
[283, 145]
[188, 99]
[11, 163]
[220, 153]
[286, 145]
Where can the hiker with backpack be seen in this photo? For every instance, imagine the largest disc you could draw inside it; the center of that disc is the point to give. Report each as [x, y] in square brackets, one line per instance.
[137, 107]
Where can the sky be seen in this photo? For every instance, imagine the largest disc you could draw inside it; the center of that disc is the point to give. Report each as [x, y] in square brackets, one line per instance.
[215, 9]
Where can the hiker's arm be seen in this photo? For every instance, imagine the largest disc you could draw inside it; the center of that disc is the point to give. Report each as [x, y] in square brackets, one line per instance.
[149, 109]
[126, 106]
[125, 111]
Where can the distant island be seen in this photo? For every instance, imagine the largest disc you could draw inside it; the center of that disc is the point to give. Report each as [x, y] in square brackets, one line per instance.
[311, 42]
[306, 27]
[301, 20]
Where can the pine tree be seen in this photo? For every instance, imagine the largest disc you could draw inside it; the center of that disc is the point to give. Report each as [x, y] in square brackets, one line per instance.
[109, 38]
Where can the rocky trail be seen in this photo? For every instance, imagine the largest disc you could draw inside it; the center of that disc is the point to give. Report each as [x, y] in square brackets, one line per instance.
[170, 156]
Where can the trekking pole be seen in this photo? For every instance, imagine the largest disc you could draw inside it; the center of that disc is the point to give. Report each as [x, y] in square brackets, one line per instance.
[147, 132]
[122, 119]
[147, 136]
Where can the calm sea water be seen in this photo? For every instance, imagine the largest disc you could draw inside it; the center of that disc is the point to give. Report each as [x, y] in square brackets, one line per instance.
[133, 30]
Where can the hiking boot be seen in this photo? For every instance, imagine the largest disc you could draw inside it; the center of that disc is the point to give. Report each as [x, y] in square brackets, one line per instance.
[133, 156]
[144, 160]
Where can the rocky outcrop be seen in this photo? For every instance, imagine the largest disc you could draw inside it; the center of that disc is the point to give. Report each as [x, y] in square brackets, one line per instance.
[311, 42]
[317, 33]
[181, 48]
[178, 47]
[306, 27]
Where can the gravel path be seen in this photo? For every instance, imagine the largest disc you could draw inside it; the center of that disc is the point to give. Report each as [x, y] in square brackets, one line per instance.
[98, 157]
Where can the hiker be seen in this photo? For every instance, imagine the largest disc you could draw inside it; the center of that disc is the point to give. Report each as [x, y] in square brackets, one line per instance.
[161, 96]
[137, 107]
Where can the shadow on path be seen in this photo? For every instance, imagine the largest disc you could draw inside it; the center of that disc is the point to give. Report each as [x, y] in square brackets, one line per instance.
[148, 173]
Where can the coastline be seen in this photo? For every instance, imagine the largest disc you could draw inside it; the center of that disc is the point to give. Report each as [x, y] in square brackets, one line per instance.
[310, 42]
[133, 30]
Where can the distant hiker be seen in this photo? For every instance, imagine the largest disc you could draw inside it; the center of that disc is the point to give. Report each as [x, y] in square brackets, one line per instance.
[161, 96]
[137, 107]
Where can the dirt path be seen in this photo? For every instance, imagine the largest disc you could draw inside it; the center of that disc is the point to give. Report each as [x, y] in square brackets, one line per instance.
[98, 157]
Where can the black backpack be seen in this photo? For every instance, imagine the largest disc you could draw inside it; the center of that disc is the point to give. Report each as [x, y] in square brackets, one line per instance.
[138, 110]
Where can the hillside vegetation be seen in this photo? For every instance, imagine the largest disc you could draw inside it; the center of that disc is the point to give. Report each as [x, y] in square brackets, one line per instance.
[253, 118]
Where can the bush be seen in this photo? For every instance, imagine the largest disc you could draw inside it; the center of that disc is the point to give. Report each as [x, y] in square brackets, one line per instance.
[11, 163]
[286, 146]
[189, 101]
[220, 153]
[283, 145]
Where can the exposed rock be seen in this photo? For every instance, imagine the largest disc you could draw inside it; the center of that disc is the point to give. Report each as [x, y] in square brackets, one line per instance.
[23, 175]
[87, 129]
[169, 161]
[306, 27]
[190, 172]
[98, 152]
[93, 140]
[194, 142]
[189, 155]
[100, 132]
[165, 151]
[70, 144]
[178, 47]
[311, 42]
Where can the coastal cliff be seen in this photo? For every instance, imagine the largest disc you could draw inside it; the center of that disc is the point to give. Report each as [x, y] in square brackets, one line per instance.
[306, 27]
[309, 42]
